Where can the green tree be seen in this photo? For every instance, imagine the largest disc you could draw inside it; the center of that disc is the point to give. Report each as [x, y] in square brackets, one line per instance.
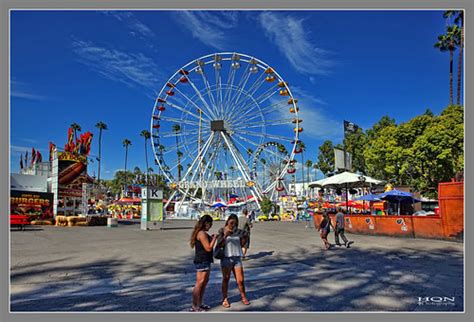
[126, 143]
[309, 165]
[301, 146]
[326, 158]
[102, 127]
[449, 42]
[76, 127]
[384, 156]
[458, 16]
[146, 135]
[438, 154]
[266, 205]
[315, 167]
[355, 144]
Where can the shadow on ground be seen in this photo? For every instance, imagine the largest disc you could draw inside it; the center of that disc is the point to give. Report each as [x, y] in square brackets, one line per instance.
[337, 280]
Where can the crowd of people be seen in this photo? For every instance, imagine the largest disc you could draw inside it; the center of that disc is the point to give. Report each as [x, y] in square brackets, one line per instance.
[230, 246]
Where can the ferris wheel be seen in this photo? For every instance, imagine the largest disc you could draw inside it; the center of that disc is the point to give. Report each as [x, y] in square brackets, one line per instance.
[215, 120]
[268, 163]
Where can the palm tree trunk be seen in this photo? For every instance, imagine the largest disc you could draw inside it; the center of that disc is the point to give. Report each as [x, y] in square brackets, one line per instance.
[126, 179]
[100, 159]
[451, 100]
[302, 172]
[458, 100]
[146, 162]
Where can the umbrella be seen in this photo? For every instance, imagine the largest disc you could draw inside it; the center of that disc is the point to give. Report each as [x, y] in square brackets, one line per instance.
[369, 197]
[219, 205]
[346, 179]
[398, 196]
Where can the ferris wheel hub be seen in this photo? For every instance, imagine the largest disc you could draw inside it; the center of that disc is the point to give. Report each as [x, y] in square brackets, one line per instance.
[218, 125]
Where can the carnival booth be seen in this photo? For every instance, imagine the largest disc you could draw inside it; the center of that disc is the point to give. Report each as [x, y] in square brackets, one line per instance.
[126, 208]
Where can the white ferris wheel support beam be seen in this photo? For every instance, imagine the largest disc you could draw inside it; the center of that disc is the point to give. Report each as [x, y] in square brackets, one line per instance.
[205, 148]
[235, 155]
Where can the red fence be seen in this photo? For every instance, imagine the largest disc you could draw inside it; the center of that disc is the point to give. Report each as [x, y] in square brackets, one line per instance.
[449, 224]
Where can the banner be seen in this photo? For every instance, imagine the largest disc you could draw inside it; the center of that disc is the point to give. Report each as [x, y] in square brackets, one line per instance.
[72, 173]
[36, 204]
[339, 160]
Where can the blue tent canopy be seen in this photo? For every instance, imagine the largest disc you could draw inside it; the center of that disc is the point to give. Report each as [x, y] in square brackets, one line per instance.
[399, 197]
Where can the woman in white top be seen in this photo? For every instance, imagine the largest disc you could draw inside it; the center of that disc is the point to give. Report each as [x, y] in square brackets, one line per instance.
[232, 239]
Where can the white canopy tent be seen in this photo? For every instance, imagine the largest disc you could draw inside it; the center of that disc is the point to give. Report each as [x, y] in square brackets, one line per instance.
[346, 178]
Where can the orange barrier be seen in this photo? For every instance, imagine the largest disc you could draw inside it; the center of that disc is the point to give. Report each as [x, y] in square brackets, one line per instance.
[451, 205]
[448, 225]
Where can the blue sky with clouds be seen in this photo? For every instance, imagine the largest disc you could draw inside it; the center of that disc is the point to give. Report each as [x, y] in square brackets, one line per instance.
[90, 66]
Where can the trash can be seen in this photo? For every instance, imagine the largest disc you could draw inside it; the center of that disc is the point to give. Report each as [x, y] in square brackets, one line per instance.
[112, 222]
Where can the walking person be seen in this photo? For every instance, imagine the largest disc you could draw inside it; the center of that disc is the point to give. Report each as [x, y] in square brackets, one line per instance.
[203, 245]
[339, 230]
[232, 239]
[245, 223]
[324, 228]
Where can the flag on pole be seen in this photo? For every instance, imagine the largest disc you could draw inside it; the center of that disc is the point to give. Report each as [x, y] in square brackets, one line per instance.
[350, 126]
[39, 157]
[26, 159]
[52, 147]
[33, 156]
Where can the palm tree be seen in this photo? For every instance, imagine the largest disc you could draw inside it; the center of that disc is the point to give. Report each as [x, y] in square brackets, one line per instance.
[448, 42]
[232, 170]
[126, 143]
[101, 126]
[308, 164]
[146, 135]
[176, 129]
[301, 146]
[459, 20]
[315, 167]
[76, 127]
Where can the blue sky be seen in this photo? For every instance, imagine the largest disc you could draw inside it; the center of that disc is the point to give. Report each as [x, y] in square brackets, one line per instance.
[90, 66]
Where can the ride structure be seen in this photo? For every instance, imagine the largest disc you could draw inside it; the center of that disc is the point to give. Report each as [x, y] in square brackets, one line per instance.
[225, 124]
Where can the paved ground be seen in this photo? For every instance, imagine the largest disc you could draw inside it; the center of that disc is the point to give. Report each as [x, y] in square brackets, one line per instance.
[126, 269]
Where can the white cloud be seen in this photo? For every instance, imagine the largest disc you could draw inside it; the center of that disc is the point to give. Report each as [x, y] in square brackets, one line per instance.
[291, 39]
[209, 27]
[21, 90]
[131, 69]
[131, 21]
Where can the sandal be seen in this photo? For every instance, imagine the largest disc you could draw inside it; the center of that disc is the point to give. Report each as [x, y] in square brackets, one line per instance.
[245, 301]
[205, 307]
[226, 303]
[195, 309]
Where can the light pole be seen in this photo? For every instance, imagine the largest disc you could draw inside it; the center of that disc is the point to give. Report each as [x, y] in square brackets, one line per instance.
[362, 180]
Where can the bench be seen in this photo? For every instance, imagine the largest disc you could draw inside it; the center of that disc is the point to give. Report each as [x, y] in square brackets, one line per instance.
[20, 221]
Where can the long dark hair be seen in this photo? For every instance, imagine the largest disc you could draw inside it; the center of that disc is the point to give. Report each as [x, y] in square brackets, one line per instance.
[232, 216]
[198, 227]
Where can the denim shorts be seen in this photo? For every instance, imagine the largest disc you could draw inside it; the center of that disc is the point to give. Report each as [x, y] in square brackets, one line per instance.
[230, 262]
[202, 267]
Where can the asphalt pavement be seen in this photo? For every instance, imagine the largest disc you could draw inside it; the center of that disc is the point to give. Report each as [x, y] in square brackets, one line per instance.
[126, 269]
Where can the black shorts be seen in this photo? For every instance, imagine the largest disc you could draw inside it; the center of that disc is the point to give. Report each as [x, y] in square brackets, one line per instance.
[247, 243]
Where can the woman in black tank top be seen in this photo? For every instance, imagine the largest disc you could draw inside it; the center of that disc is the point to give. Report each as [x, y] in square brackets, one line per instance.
[203, 245]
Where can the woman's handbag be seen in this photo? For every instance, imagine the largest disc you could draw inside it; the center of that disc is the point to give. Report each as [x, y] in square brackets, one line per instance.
[218, 252]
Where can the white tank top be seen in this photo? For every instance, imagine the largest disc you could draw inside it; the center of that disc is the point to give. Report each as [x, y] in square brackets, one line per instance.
[232, 246]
